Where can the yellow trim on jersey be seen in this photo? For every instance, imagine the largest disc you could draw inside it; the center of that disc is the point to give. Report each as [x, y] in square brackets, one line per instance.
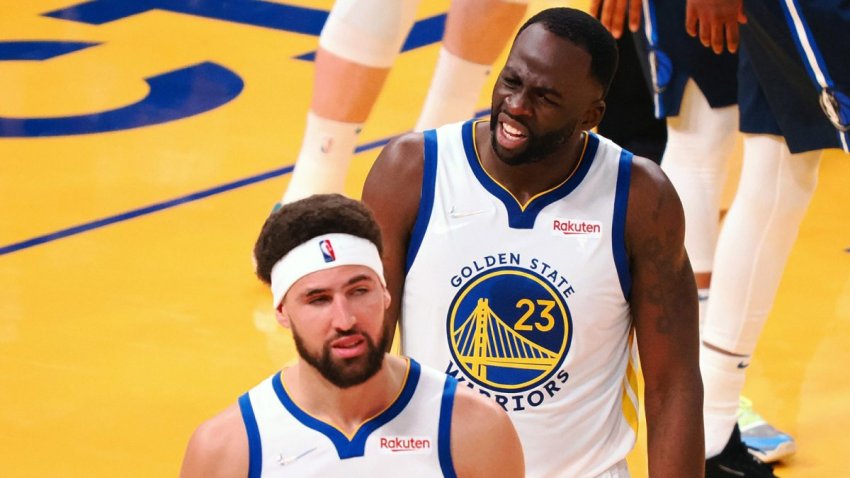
[630, 382]
[351, 436]
[522, 207]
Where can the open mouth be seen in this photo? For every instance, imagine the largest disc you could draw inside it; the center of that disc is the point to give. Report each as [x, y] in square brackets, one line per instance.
[510, 134]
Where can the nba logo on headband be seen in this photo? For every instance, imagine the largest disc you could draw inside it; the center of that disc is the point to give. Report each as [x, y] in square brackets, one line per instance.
[327, 250]
[303, 260]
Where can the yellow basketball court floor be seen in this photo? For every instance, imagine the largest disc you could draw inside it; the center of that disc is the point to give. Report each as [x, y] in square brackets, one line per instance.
[143, 143]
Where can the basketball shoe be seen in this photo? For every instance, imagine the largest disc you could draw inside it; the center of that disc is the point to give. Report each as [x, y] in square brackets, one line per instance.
[735, 461]
[764, 441]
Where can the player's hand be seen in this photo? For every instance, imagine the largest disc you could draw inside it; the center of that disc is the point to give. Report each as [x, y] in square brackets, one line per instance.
[612, 14]
[717, 19]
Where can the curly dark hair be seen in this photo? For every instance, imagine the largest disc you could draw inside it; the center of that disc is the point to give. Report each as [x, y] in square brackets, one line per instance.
[297, 222]
[585, 32]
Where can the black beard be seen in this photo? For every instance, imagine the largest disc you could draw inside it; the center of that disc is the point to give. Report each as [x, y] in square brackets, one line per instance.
[539, 147]
[347, 372]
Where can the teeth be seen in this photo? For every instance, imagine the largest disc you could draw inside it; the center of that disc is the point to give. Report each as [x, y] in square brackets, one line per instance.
[511, 130]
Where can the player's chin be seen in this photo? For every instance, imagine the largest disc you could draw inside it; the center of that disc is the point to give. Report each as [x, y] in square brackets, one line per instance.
[512, 157]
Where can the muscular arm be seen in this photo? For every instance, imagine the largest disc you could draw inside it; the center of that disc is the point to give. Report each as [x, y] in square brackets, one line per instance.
[484, 442]
[392, 191]
[218, 448]
[664, 308]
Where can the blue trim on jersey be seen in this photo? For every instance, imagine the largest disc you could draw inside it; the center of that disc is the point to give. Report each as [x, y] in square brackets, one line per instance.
[355, 447]
[618, 225]
[517, 218]
[426, 203]
[255, 446]
[444, 443]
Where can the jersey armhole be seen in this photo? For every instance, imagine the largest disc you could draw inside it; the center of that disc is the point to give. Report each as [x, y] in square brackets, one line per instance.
[618, 228]
[426, 201]
[444, 444]
[255, 449]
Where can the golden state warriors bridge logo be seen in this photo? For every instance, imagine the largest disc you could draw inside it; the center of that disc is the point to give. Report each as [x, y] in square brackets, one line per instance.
[509, 329]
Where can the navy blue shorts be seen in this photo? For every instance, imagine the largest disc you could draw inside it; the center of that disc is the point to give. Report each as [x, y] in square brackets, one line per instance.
[779, 92]
[676, 57]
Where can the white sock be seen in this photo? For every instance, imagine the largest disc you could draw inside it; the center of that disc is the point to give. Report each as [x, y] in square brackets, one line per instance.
[322, 164]
[454, 91]
[723, 379]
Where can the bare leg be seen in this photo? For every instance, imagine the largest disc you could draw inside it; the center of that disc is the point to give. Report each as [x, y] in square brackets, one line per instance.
[358, 46]
[477, 32]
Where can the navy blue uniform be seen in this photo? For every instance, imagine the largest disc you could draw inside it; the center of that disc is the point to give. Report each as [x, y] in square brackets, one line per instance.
[793, 73]
[675, 57]
[779, 89]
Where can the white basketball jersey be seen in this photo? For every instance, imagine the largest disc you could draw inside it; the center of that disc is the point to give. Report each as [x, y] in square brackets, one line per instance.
[409, 438]
[528, 304]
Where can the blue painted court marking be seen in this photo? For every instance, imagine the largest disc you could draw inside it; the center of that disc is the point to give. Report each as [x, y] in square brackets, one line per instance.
[39, 50]
[259, 13]
[171, 96]
[142, 211]
[71, 231]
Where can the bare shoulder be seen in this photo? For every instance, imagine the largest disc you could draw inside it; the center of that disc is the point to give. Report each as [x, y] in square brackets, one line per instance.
[474, 407]
[654, 205]
[393, 187]
[649, 183]
[399, 165]
[484, 442]
[218, 448]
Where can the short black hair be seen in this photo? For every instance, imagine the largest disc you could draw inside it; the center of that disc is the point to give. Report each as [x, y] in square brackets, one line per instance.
[298, 222]
[585, 32]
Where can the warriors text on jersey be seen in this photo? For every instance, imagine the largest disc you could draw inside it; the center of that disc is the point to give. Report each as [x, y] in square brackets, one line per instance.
[409, 438]
[527, 304]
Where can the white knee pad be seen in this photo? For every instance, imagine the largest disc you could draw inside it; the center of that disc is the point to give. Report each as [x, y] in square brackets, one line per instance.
[368, 32]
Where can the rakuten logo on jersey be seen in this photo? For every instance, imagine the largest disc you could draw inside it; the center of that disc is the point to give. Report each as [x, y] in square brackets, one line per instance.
[412, 445]
[577, 227]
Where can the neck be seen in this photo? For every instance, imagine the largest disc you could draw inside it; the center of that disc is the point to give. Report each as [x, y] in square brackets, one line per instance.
[527, 180]
[345, 408]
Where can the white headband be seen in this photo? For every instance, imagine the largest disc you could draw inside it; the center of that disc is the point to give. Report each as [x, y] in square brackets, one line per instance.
[320, 253]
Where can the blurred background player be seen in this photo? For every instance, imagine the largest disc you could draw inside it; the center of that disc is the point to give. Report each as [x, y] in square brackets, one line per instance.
[787, 128]
[357, 47]
[793, 81]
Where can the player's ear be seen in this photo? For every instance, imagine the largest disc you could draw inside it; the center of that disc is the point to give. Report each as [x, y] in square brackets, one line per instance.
[593, 115]
[387, 299]
[281, 316]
